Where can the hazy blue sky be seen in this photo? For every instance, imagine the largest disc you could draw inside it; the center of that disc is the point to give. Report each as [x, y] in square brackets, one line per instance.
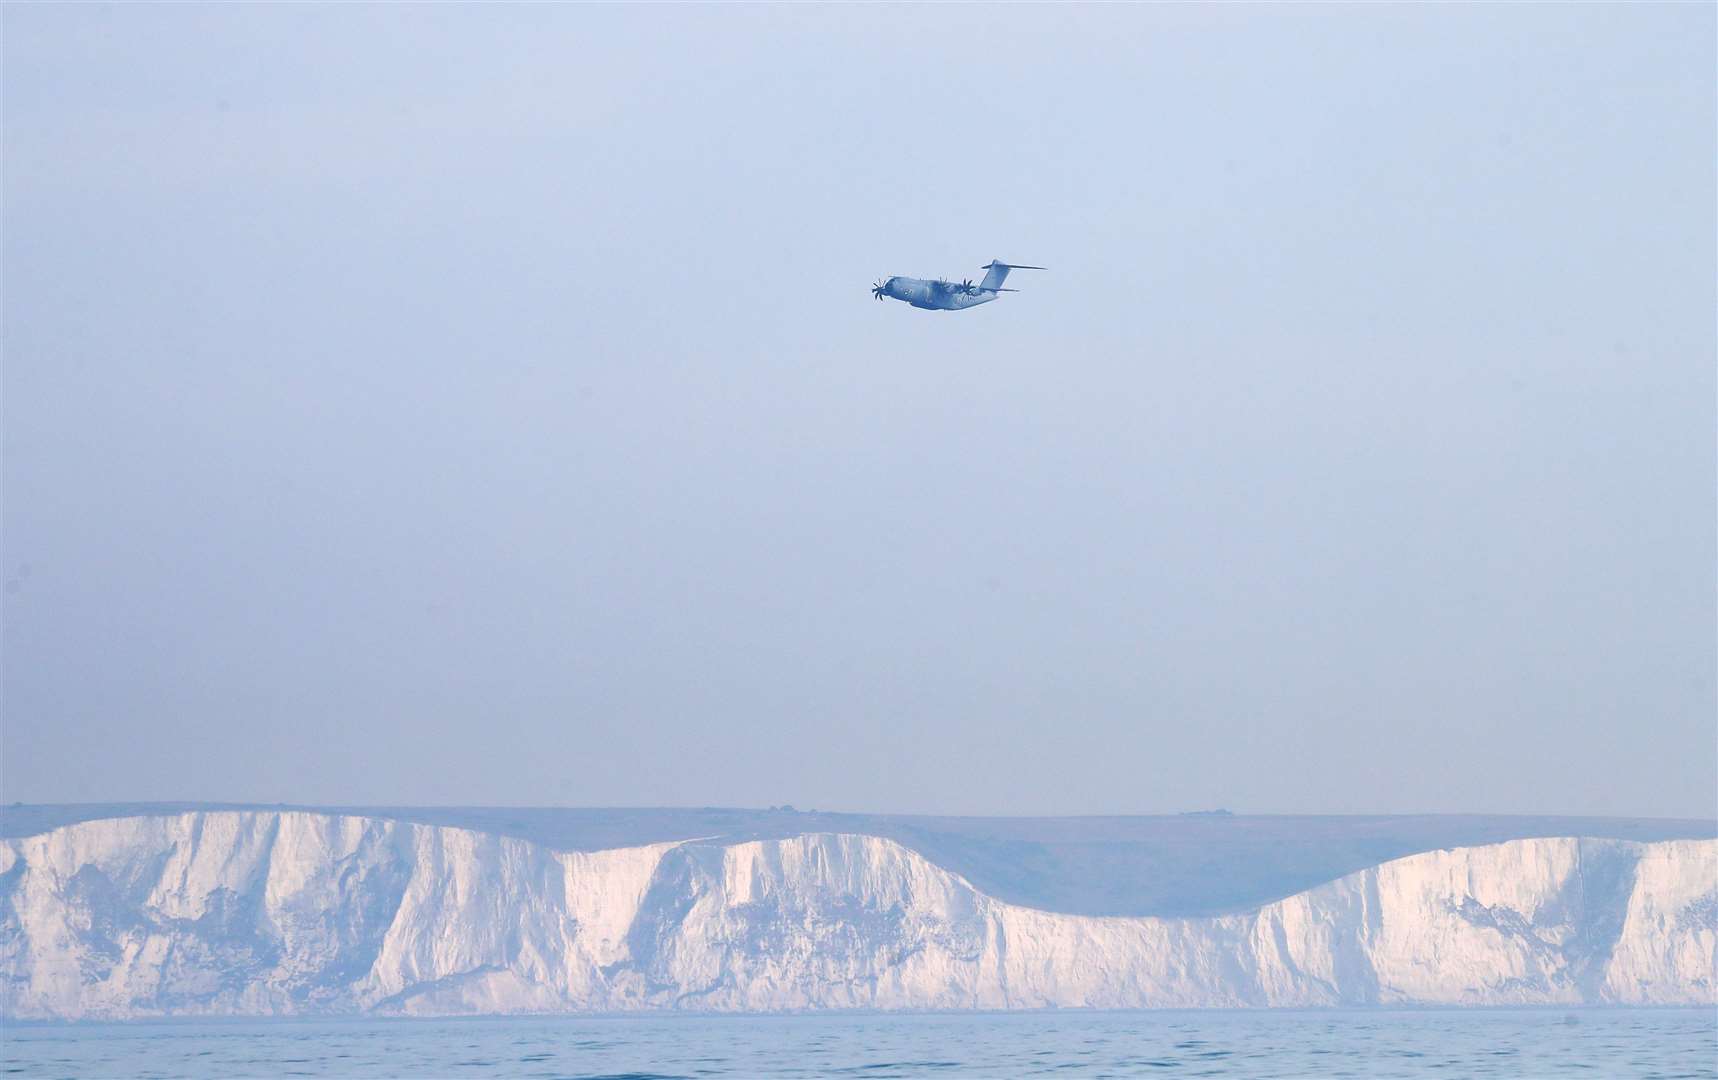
[439, 404]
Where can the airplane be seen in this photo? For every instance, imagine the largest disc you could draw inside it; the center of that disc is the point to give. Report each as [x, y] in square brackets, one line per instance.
[946, 295]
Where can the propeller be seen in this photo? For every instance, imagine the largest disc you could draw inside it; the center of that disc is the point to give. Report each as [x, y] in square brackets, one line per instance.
[966, 287]
[877, 289]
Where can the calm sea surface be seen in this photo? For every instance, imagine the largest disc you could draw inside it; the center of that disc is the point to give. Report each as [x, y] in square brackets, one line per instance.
[1526, 1043]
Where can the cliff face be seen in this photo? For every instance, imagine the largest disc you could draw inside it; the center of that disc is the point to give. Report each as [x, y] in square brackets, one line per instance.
[265, 913]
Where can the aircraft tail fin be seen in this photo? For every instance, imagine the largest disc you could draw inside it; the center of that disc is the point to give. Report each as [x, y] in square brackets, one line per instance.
[998, 273]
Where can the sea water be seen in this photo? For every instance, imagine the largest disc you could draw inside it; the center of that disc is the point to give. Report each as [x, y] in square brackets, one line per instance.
[1356, 1043]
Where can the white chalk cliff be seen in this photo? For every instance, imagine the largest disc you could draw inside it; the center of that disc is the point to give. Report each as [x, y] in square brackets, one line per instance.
[265, 913]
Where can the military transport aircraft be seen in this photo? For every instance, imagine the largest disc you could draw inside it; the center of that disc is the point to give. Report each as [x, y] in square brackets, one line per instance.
[947, 295]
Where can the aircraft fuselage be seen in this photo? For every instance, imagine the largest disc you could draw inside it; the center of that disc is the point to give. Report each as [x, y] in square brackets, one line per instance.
[936, 295]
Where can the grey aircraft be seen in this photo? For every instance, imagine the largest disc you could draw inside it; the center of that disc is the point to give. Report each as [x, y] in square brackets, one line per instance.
[949, 295]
